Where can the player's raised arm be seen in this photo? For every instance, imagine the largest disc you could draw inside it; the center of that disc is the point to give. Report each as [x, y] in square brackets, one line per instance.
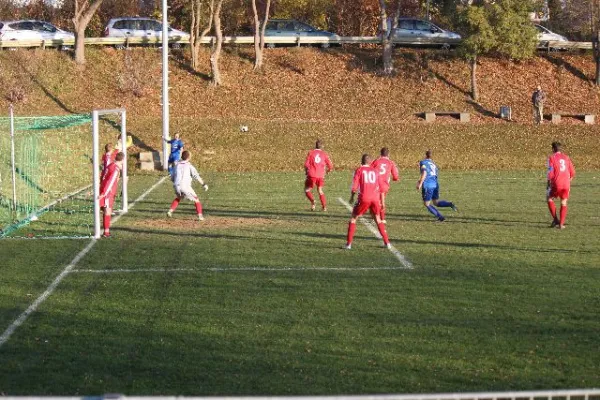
[196, 176]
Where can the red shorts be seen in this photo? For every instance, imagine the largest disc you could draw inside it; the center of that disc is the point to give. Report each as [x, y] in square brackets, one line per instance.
[561, 193]
[311, 182]
[107, 202]
[362, 206]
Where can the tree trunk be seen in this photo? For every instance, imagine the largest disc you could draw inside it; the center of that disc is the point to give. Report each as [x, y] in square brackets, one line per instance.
[474, 90]
[258, 59]
[83, 15]
[597, 56]
[80, 46]
[259, 34]
[216, 53]
[196, 36]
[387, 35]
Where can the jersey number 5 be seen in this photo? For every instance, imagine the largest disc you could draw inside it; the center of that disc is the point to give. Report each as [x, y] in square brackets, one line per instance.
[382, 169]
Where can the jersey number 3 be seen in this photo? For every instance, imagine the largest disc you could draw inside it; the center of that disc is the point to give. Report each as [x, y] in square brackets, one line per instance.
[563, 165]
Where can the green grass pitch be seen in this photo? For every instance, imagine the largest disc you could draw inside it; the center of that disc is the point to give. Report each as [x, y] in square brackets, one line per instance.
[261, 299]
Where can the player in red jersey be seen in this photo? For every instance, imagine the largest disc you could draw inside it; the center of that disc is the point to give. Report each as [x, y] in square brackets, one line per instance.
[366, 183]
[560, 174]
[108, 190]
[107, 158]
[317, 164]
[386, 169]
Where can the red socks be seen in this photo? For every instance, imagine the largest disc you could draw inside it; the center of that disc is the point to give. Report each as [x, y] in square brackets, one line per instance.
[323, 200]
[383, 232]
[563, 215]
[106, 223]
[174, 204]
[198, 207]
[552, 208]
[310, 196]
[351, 230]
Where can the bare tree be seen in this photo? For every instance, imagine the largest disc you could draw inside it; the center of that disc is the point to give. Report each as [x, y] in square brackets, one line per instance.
[216, 51]
[595, 19]
[196, 34]
[387, 33]
[259, 33]
[84, 11]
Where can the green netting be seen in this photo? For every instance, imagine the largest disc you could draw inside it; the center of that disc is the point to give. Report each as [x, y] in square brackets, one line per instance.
[54, 174]
[44, 123]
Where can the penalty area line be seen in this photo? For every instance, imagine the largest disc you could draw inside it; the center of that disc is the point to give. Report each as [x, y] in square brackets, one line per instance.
[370, 226]
[68, 269]
[223, 270]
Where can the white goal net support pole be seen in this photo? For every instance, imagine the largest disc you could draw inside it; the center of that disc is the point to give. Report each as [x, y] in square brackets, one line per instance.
[96, 114]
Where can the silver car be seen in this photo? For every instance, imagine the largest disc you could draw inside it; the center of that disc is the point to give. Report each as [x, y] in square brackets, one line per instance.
[137, 27]
[419, 32]
[32, 30]
[545, 35]
[292, 27]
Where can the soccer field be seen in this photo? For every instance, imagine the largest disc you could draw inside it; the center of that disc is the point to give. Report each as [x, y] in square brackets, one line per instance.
[261, 298]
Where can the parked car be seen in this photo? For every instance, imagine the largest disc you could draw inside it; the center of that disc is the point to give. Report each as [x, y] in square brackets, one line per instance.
[414, 31]
[137, 27]
[545, 35]
[32, 30]
[292, 27]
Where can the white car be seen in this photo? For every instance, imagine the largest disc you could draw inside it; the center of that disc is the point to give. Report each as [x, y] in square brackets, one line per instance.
[32, 30]
[545, 35]
[136, 27]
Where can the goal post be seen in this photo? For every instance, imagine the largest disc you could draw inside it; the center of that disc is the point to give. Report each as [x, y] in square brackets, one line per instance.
[50, 172]
[96, 114]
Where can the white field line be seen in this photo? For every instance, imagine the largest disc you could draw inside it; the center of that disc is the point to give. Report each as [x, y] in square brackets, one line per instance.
[68, 269]
[220, 269]
[407, 264]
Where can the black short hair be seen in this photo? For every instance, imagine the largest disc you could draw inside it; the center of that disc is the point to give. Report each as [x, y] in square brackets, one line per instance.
[385, 152]
[318, 144]
[185, 155]
[428, 154]
[120, 156]
[365, 159]
[556, 146]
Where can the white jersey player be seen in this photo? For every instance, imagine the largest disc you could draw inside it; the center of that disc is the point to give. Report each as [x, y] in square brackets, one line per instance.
[183, 177]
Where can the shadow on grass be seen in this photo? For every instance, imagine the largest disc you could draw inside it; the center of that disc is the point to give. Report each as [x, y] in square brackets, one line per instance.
[562, 63]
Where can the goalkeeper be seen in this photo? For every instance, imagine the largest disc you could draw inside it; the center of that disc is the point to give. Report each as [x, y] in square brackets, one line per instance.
[175, 156]
[184, 173]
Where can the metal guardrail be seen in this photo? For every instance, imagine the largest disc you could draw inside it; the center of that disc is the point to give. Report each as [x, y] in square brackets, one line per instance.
[297, 40]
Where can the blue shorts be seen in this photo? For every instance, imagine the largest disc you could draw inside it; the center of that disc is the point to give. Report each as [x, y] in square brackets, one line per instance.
[430, 193]
[173, 158]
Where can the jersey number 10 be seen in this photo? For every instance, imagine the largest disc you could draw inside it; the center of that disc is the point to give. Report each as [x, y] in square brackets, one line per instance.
[369, 176]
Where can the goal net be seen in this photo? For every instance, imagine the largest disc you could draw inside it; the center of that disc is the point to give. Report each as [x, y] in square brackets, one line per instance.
[48, 170]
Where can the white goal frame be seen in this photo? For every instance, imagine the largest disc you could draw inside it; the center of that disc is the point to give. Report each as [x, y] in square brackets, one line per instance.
[96, 114]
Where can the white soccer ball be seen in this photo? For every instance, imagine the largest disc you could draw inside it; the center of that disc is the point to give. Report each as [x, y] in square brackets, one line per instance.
[33, 218]
[244, 128]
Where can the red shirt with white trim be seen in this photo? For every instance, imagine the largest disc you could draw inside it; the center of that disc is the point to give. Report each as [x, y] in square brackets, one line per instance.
[560, 170]
[108, 186]
[366, 183]
[316, 162]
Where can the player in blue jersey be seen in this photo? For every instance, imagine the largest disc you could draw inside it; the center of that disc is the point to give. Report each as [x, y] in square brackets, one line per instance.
[430, 189]
[176, 149]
